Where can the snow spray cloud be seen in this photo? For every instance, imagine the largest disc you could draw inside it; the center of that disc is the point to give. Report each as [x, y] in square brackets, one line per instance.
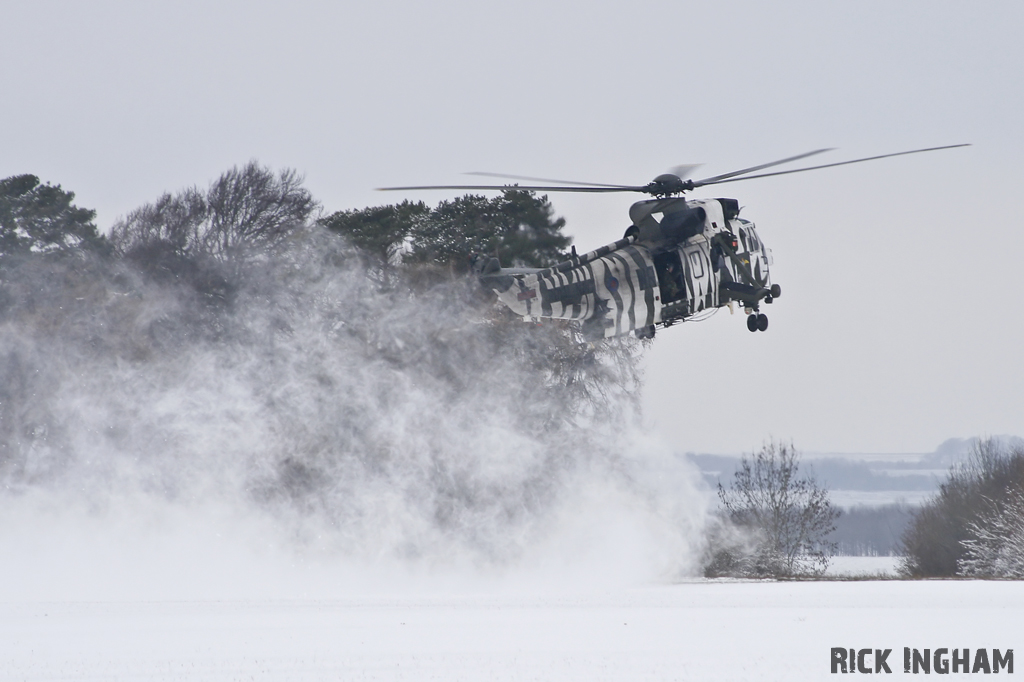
[355, 418]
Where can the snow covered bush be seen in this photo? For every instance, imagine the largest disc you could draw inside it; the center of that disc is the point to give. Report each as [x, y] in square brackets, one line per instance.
[995, 544]
[968, 512]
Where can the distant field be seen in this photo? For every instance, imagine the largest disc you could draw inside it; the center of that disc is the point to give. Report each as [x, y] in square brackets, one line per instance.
[878, 498]
[863, 566]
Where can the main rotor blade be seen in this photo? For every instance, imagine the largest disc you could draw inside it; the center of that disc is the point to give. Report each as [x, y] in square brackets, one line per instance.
[720, 178]
[561, 182]
[712, 181]
[525, 188]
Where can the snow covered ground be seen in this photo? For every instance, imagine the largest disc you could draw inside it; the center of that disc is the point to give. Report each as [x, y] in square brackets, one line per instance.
[696, 630]
[138, 591]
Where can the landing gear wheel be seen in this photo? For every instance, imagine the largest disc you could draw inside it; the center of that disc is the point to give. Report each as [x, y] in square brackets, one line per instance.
[752, 322]
[762, 322]
[775, 290]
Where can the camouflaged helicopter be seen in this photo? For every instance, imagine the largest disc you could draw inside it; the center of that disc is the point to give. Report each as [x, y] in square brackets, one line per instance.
[679, 260]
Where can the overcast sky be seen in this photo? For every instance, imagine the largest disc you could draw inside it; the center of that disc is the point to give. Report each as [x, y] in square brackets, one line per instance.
[899, 325]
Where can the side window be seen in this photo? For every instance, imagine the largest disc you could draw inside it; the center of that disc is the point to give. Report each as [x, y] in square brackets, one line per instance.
[696, 265]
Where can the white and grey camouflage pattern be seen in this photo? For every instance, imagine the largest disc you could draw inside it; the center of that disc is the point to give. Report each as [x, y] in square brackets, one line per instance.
[617, 289]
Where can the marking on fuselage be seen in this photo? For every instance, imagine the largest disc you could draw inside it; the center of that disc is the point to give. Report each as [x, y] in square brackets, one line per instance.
[607, 262]
[646, 279]
[630, 312]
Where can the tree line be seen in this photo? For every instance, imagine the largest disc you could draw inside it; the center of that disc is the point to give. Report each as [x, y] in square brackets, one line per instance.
[205, 240]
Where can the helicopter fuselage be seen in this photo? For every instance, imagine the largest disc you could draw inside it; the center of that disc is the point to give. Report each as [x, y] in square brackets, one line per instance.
[678, 259]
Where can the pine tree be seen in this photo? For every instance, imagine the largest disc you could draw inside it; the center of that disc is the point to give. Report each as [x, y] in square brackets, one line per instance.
[41, 218]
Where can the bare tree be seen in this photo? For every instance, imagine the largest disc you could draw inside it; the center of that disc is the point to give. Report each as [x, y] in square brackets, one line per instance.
[783, 518]
[253, 207]
[248, 208]
[172, 222]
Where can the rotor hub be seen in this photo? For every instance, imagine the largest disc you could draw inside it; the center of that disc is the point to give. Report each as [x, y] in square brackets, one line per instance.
[667, 184]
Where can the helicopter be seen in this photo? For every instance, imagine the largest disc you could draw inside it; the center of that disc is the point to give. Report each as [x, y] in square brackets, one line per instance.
[679, 260]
